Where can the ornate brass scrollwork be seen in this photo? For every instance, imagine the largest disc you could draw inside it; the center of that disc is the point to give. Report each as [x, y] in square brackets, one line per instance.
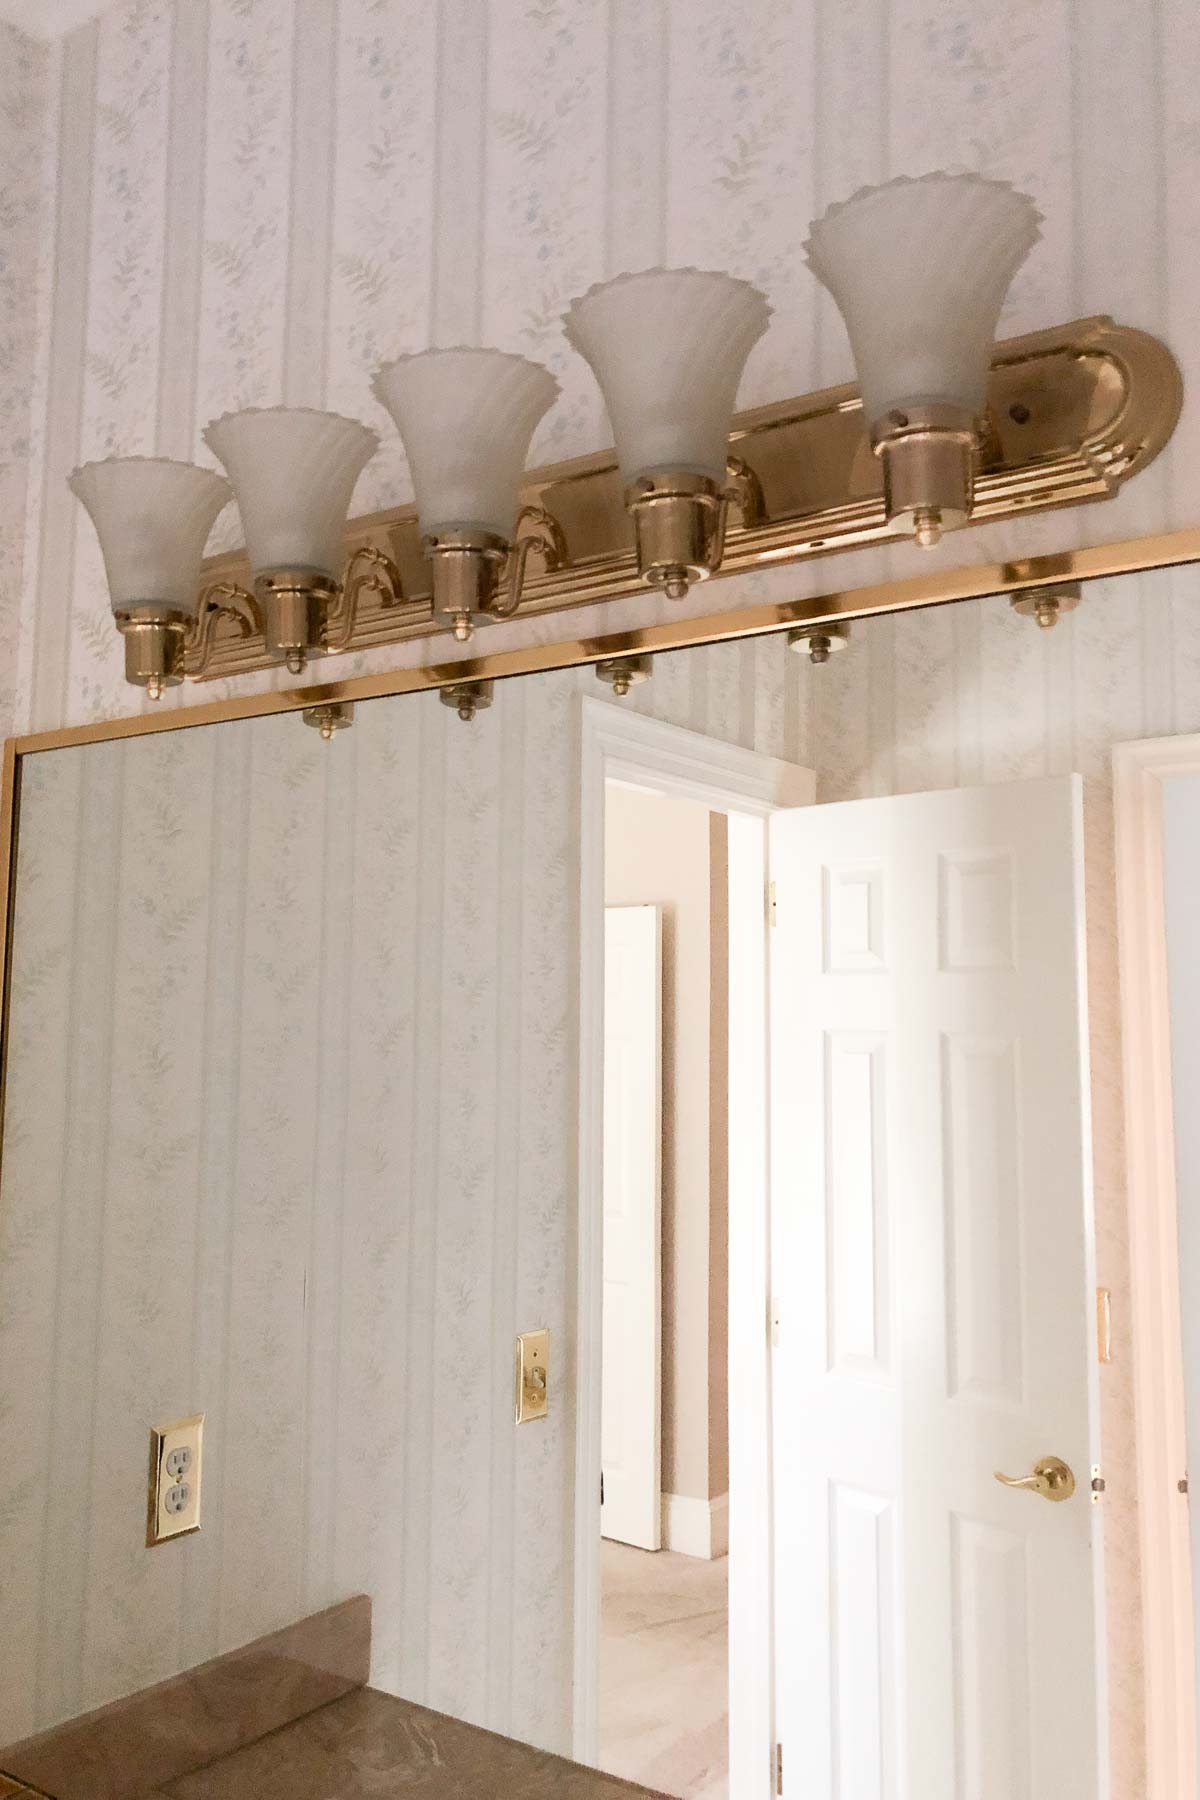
[369, 571]
[536, 529]
[223, 599]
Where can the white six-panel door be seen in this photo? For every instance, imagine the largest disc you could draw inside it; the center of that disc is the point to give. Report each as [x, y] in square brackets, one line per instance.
[631, 1373]
[937, 1633]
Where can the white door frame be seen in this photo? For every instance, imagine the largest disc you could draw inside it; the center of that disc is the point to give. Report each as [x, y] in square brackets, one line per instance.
[621, 745]
[1139, 773]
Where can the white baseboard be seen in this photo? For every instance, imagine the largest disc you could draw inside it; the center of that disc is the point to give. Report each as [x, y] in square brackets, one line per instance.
[696, 1527]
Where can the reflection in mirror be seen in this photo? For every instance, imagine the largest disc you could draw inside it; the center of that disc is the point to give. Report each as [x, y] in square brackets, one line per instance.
[337, 1061]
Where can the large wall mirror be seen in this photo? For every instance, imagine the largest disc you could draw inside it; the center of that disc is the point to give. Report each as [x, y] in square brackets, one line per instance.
[754, 1034]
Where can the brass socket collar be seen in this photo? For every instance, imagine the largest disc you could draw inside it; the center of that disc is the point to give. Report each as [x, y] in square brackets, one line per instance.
[329, 717]
[467, 566]
[621, 673]
[679, 523]
[294, 605]
[155, 640]
[468, 698]
[1046, 605]
[818, 642]
[929, 455]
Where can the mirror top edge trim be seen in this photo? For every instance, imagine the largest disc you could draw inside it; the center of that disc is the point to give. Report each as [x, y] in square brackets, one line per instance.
[978, 581]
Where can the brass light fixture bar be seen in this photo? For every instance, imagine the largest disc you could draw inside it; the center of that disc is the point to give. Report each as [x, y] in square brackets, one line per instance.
[1072, 413]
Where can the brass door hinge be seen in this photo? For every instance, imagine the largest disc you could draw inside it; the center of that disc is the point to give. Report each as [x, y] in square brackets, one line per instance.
[777, 1760]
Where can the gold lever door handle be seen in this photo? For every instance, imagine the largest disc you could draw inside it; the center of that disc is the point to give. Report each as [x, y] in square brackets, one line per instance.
[1052, 1479]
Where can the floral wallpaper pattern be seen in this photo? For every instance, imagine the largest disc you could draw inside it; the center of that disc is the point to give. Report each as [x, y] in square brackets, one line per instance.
[212, 203]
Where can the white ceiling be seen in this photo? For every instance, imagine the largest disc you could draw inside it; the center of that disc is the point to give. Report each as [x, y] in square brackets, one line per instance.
[50, 18]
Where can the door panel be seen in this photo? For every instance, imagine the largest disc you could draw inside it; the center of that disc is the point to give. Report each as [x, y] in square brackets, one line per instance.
[932, 1258]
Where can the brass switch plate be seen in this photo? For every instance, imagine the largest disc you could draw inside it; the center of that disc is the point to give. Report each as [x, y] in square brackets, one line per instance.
[174, 1508]
[533, 1376]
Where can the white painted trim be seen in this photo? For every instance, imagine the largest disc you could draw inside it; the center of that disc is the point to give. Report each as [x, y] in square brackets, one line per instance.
[620, 745]
[693, 1527]
[751, 1500]
[1139, 771]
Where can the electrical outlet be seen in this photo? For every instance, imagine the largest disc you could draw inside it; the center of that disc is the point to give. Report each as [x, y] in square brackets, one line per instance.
[174, 1507]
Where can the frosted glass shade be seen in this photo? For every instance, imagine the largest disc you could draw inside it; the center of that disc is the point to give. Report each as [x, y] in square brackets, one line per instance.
[293, 473]
[668, 347]
[153, 518]
[919, 268]
[466, 417]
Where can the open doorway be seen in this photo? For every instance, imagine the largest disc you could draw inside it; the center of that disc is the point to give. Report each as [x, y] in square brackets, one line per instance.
[664, 1702]
[651, 760]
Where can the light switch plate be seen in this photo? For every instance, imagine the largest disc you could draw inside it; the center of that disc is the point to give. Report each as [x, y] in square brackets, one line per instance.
[533, 1376]
[174, 1508]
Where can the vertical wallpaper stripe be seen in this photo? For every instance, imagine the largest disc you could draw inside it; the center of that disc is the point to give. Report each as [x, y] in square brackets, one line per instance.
[310, 234]
[423, 1337]
[64, 400]
[457, 264]
[183, 240]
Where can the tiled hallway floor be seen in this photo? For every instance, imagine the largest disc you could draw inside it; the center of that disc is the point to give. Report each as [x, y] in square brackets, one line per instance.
[663, 1671]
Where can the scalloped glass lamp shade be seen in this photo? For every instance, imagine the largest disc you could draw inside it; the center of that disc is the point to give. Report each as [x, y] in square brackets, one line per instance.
[153, 518]
[919, 268]
[668, 347]
[293, 473]
[466, 418]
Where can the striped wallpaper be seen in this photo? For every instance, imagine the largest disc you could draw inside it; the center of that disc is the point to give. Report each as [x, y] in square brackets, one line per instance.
[214, 203]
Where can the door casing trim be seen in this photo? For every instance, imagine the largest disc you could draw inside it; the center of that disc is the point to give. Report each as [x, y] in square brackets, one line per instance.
[1140, 772]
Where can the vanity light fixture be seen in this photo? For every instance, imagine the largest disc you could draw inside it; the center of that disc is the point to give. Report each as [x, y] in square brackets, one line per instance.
[919, 269]
[621, 673]
[293, 472]
[153, 518]
[668, 347]
[818, 642]
[963, 429]
[466, 418]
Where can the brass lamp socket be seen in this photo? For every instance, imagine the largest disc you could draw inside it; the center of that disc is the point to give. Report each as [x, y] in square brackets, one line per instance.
[155, 640]
[467, 566]
[929, 455]
[294, 605]
[679, 520]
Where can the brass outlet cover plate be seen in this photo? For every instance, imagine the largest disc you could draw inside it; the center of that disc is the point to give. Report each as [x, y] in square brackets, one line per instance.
[533, 1376]
[175, 1458]
[1072, 413]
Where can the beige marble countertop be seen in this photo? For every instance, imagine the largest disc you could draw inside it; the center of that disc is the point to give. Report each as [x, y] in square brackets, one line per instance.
[371, 1744]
